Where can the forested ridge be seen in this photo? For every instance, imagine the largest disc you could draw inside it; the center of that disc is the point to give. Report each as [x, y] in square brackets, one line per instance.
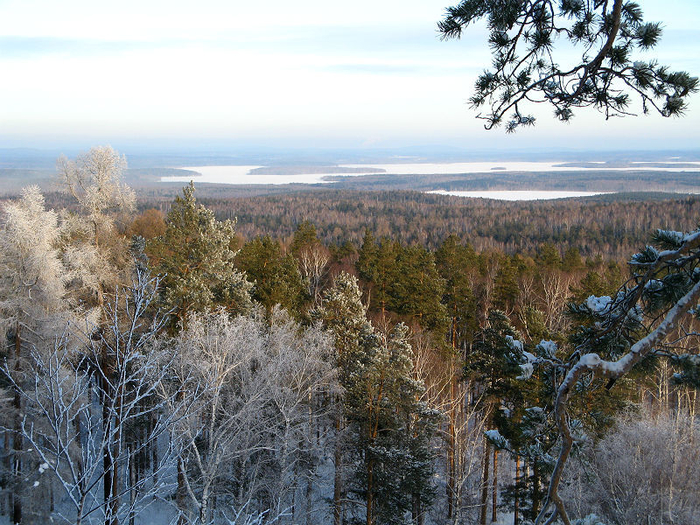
[336, 360]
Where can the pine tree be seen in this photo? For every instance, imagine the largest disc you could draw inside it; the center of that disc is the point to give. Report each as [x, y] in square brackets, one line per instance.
[416, 288]
[526, 63]
[343, 314]
[389, 427]
[276, 277]
[456, 264]
[195, 257]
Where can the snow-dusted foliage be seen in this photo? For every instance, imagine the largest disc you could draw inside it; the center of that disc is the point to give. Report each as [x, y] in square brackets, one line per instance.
[33, 308]
[97, 256]
[617, 333]
[95, 180]
[643, 471]
[386, 428]
[80, 397]
[252, 439]
[32, 274]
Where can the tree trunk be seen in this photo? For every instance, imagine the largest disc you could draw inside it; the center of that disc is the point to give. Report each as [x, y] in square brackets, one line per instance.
[536, 491]
[112, 435]
[451, 445]
[485, 484]
[132, 485]
[338, 479]
[17, 439]
[516, 502]
[370, 491]
[494, 490]
[417, 515]
[181, 492]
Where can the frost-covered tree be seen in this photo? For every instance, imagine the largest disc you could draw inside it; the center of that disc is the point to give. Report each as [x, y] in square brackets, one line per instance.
[529, 41]
[250, 442]
[343, 315]
[195, 255]
[381, 418]
[643, 471]
[95, 252]
[392, 428]
[32, 302]
[79, 445]
[643, 321]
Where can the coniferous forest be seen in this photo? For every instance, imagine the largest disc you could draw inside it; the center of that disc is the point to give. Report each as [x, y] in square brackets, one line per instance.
[169, 364]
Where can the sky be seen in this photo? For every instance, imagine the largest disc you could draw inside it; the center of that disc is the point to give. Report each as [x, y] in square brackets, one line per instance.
[307, 74]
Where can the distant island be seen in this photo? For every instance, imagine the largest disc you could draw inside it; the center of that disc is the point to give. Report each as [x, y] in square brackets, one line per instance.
[310, 170]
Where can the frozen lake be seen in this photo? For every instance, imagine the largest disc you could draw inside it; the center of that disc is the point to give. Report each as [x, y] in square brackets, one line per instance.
[534, 195]
[241, 174]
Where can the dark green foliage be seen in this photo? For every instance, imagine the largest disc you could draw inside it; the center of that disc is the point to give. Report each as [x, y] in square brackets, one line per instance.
[275, 275]
[457, 265]
[523, 37]
[417, 288]
[390, 428]
[491, 361]
[304, 237]
[194, 256]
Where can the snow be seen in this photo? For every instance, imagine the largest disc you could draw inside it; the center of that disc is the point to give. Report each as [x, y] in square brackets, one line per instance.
[527, 370]
[679, 237]
[241, 174]
[497, 439]
[547, 348]
[514, 343]
[598, 304]
[653, 285]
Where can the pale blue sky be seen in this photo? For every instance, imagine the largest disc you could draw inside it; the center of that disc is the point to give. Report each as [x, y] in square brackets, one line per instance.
[306, 73]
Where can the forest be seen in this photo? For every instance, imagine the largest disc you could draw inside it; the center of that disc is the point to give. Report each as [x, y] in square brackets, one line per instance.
[340, 357]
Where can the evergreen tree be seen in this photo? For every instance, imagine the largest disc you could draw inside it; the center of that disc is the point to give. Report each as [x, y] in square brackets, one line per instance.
[275, 275]
[456, 264]
[526, 65]
[416, 288]
[194, 256]
[389, 427]
[343, 314]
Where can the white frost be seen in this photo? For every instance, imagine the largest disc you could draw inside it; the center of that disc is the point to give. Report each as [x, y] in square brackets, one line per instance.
[527, 369]
[548, 348]
[598, 304]
[514, 343]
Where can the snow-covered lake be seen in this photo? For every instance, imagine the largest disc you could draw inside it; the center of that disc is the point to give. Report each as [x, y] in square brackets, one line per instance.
[526, 195]
[241, 175]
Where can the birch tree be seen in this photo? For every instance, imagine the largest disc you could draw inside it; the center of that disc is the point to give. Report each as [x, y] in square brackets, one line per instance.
[69, 434]
[32, 303]
[249, 443]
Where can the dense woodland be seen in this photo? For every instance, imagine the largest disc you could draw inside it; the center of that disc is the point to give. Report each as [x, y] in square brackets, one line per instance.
[338, 357]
